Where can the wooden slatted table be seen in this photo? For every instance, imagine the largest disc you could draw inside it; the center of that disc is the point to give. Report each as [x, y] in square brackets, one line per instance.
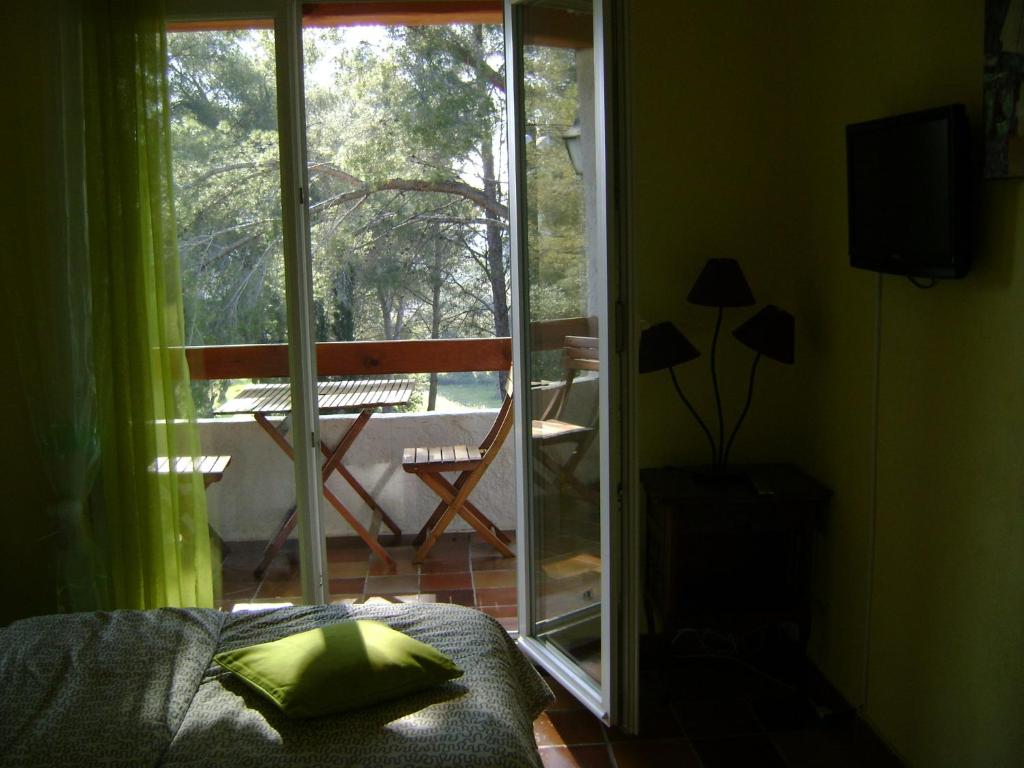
[210, 467]
[351, 395]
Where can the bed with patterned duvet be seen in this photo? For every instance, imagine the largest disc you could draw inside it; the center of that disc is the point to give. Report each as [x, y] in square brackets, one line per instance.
[140, 688]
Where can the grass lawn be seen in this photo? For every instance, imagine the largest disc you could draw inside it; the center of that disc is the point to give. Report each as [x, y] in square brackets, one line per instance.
[466, 396]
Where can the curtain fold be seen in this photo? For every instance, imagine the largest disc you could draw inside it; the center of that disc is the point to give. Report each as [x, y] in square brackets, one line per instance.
[152, 527]
[49, 384]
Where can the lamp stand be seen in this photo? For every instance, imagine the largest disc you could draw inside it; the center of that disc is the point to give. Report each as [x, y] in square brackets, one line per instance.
[718, 463]
[743, 413]
[707, 432]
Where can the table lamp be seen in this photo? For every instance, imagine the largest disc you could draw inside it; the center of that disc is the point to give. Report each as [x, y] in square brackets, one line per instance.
[663, 346]
[771, 333]
[720, 284]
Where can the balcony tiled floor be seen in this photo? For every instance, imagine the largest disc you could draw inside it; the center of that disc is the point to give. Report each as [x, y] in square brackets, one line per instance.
[461, 568]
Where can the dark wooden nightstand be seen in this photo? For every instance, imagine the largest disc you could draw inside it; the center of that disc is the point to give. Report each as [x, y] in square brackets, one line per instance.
[731, 556]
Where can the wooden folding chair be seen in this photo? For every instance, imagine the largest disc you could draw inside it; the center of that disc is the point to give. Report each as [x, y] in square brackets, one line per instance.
[430, 464]
[580, 353]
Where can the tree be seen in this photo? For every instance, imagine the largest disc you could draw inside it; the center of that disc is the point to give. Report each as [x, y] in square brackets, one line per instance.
[408, 190]
[227, 193]
[422, 115]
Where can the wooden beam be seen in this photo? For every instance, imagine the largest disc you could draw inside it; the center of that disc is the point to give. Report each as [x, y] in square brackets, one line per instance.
[352, 358]
[430, 356]
[218, 25]
[412, 14]
[409, 14]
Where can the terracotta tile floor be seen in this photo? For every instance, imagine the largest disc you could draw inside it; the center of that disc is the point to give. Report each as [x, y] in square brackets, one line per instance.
[461, 568]
[695, 713]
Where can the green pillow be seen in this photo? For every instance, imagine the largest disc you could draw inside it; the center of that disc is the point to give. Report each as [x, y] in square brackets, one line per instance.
[339, 667]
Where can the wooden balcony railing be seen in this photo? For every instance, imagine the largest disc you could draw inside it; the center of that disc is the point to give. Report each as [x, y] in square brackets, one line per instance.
[361, 358]
[352, 358]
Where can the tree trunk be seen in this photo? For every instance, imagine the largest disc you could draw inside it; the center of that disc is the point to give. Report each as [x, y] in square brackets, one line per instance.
[495, 249]
[385, 312]
[343, 323]
[435, 322]
[399, 325]
[495, 244]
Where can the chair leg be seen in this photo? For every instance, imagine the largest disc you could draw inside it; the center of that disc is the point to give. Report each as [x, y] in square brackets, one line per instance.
[439, 510]
[456, 503]
[569, 474]
[488, 530]
[431, 522]
[439, 527]
[472, 509]
[565, 474]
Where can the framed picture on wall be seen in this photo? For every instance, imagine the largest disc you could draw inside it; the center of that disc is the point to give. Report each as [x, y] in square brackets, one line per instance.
[1004, 73]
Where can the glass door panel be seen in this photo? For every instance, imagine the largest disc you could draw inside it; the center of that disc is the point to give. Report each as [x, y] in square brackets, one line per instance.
[227, 190]
[562, 356]
[408, 235]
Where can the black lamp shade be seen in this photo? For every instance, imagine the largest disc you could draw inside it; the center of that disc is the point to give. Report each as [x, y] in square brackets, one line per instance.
[721, 284]
[770, 332]
[663, 346]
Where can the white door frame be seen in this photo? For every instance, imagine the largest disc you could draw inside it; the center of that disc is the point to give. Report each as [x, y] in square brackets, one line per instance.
[615, 699]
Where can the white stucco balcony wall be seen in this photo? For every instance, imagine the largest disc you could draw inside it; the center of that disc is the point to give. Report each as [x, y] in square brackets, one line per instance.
[258, 488]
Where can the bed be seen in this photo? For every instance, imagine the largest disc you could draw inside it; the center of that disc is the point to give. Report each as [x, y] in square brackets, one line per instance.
[139, 688]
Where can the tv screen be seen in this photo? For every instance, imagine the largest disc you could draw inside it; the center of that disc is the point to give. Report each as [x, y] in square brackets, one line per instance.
[908, 188]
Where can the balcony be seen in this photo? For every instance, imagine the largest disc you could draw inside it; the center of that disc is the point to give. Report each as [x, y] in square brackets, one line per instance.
[257, 489]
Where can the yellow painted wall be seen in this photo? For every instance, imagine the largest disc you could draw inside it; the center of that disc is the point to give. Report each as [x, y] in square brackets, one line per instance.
[946, 674]
[738, 113]
[709, 143]
[714, 98]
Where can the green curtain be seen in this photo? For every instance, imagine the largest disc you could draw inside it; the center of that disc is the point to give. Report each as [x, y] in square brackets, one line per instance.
[152, 528]
[50, 428]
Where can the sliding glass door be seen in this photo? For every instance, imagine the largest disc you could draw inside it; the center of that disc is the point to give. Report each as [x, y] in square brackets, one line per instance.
[239, 171]
[574, 593]
[577, 575]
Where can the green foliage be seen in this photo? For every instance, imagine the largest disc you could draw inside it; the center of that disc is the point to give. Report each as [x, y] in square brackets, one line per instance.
[407, 192]
[227, 187]
[449, 98]
[419, 116]
[554, 200]
[224, 78]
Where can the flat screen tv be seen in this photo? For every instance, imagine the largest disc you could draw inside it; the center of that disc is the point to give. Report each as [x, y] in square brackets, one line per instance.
[908, 185]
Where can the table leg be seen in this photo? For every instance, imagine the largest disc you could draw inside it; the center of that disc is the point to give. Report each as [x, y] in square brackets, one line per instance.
[364, 534]
[275, 544]
[333, 464]
[335, 456]
[335, 502]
